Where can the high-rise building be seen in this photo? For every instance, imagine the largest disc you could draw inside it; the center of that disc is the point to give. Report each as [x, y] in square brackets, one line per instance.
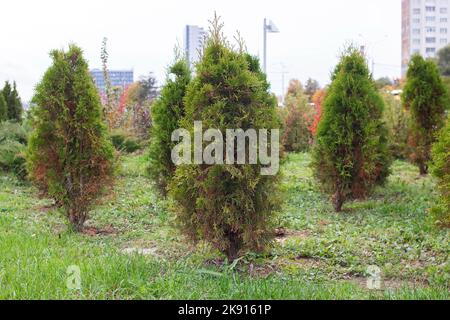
[425, 28]
[194, 37]
[118, 78]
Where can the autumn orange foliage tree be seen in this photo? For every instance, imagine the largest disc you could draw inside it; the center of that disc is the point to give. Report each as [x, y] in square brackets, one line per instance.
[318, 99]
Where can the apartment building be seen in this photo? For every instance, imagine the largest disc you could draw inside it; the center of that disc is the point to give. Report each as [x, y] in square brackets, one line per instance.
[118, 78]
[425, 28]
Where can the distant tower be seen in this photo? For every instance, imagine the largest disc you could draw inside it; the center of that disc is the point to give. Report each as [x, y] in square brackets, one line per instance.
[425, 28]
[194, 37]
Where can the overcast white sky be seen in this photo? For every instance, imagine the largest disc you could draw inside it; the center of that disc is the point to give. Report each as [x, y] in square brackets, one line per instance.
[142, 33]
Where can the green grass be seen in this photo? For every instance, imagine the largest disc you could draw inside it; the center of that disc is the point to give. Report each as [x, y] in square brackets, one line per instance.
[325, 256]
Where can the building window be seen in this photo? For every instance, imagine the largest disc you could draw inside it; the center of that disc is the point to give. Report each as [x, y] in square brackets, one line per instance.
[443, 10]
[416, 11]
[430, 40]
[430, 9]
[444, 20]
[444, 30]
[444, 41]
[430, 29]
[416, 31]
[430, 50]
[431, 19]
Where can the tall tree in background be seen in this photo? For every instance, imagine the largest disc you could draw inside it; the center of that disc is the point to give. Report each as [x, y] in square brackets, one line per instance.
[311, 87]
[383, 82]
[318, 99]
[427, 98]
[13, 102]
[112, 95]
[397, 120]
[351, 155]
[17, 107]
[3, 108]
[7, 95]
[299, 117]
[295, 89]
[443, 60]
[140, 98]
[148, 89]
[166, 114]
[104, 56]
[69, 157]
[230, 206]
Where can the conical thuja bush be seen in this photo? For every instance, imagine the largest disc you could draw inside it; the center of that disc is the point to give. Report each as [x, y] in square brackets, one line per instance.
[231, 206]
[69, 156]
[351, 152]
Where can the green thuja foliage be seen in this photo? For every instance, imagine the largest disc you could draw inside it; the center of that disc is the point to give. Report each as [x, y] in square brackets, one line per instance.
[3, 108]
[69, 156]
[230, 206]
[441, 170]
[351, 154]
[426, 97]
[166, 114]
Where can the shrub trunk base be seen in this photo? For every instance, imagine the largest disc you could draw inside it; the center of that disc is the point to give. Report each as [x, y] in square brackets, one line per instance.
[338, 201]
[234, 247]
[77, 220]
[423, 169]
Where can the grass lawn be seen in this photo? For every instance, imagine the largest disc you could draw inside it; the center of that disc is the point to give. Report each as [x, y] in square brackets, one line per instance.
[139, 253]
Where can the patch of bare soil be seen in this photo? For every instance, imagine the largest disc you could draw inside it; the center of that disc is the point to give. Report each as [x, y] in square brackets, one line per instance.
[262, 271]
[305, 258]
[282, 235]
[218, 262]
[322, 225]
[47, 208]
[93, 231]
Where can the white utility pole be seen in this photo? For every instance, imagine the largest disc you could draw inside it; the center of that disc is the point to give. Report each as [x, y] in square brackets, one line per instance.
[268, 28]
